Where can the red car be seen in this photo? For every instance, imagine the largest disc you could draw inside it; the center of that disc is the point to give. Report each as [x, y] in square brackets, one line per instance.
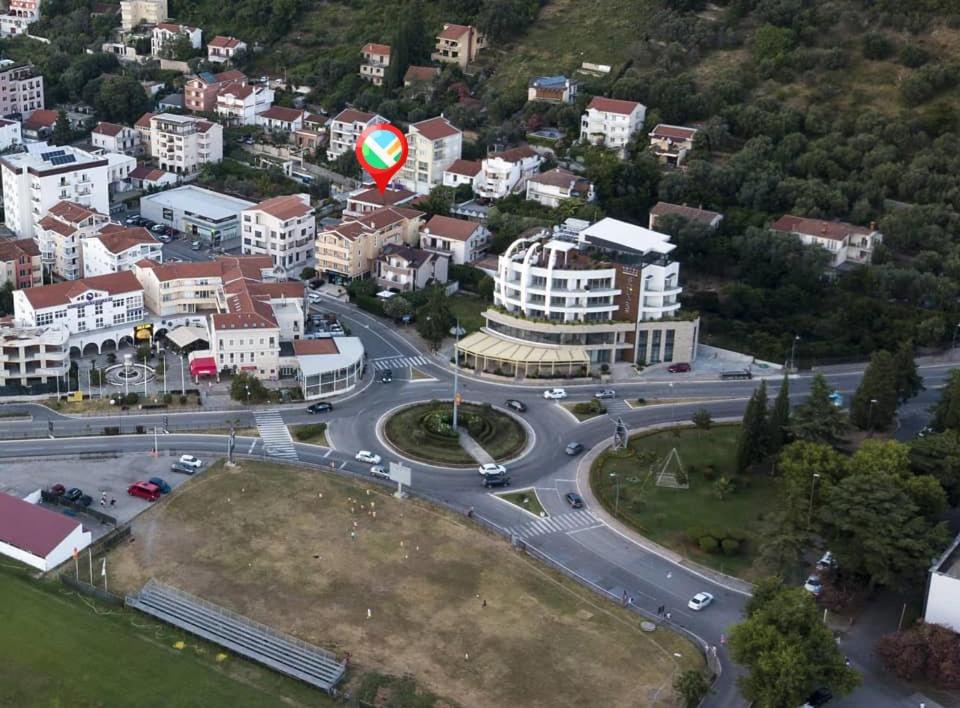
[144, 490]
[678, 368]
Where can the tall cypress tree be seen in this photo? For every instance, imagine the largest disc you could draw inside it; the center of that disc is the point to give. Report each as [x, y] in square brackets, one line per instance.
[753, 441]
[780, 418]
[909, 381]
[874, 403]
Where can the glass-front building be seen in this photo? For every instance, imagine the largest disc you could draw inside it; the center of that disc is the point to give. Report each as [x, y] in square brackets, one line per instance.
[329, 367]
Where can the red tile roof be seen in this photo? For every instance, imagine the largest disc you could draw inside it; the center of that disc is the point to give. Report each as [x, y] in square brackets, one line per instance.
[144, 120]
[673, 132]
[436, 128]
[146, 173]
[225, 267]
[690, 213]
[390, 197]
[453, 31]
[233, 88]
[303, 347]
[231, 75]
[117, 239]
[224, 42]
[287, 115]
[51, 224]
[834, 230]
[110, 129]
[515, 154]
[289, 206]
[352, 115]
[612, 105]
[71, 212]
[562, 178]
[11, 250]
[420, 73]
[470, 168]
[32, 528]
[447, 227]
[62, 293]
[41, 119]
[373, 48]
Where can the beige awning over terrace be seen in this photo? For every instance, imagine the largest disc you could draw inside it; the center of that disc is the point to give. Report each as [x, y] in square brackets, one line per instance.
[486, 348]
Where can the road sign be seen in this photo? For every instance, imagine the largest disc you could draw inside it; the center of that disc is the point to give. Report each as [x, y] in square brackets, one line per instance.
[400, 474]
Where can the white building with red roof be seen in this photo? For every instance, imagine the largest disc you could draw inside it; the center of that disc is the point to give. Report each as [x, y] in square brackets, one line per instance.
[374, 62]
[349, 250]
[38, 537]
[507, 172]
[345, 127]
[184, 144]
[846, 243]
[149, 178]
[434, 145]
[671, 143]
[611, 122]
[463, 241]
[462, 172]
[282, 228]
[368, 199]
[116, 248]
[553, 186]
[242, 104]
[280, 119]
[458, 44]
[113, 137]
[221, 49]
[166, 32]
[60, 235]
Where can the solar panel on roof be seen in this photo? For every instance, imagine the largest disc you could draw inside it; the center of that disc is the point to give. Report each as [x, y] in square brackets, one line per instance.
[54, 153]
[63, 159]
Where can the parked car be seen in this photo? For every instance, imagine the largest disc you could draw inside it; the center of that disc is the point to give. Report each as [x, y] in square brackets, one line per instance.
[191, 461]
[315, 283]
[573, 448]
[379, 472]
[195, 246]
[680, 368]
[85, 501]
[73, 494]
[159, 228]
[160, 484]
[818, 698]
[491, 468]
[386, 376]
[700, 601]
[813, 585]
[496, 480]
[605, 393]
[314, 297]
[320, 407]
[368, 457]
[555, 394]
[518, 406]
[56, 490]
[574, 500]
[827, 561]
[144, 490]
[181, 468]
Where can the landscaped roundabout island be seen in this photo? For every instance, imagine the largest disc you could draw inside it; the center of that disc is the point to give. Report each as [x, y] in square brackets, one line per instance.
[424, 432]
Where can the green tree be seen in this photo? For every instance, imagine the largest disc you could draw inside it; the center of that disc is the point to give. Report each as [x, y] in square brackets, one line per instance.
[347, 165]
[946, 413]
[779, 422]
[397, 307]
[434, 318]
[308, 273]
[438, 201]
[782, 545]
[787, 650]
[702, 419]
[62, 134]
[248, 389]
[723, 487]
[752, 442]
[6, 298]
[909, 381]
[178, 48]
[691, 686]
[938, 456]
[772, 43]
[121, 99]
[817, 419]
[809, 471]
[874, 403]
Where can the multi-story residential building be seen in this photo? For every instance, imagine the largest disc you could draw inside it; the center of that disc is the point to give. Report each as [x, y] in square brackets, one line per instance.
[553, 186]
[240, 104]
[463, 241]
[376, 59]
[671, 143]
[112, 137]
[33, 356]
[184, 144]
[507, 172]
[463, 172]
[19, 16]
[282, 228]
[200, 92]
[281, 120]
[420, 75]
[82, 306]
[142, 129]
[20, 263]
[119, 169]
[21, 89]
[406, 269]
[458, 44]
[552, 89]
[165, 32]
[33, 182]
[9, 134]
[221, 49]
[345, 127]
[206, 216]
[611, 123]
[434, 145]
[116, 248]
[367, 200]
[313, 135]
[573, 309]
[693, 214]
[60, 235]
[846, 243]
[149, 12]
[348, 251]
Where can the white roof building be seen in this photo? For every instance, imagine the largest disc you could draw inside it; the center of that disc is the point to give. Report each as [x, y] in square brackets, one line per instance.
[615, 235]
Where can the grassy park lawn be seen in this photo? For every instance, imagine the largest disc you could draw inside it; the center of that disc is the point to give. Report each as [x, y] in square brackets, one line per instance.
[404, 597]
[526, 499]
[59, 649]
[496, 432]
[469, 309]
[664, 514]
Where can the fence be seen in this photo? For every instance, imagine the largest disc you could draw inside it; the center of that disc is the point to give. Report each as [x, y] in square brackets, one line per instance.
[88, 589]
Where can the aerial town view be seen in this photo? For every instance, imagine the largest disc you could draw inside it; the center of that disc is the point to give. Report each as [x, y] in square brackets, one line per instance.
[480, 353]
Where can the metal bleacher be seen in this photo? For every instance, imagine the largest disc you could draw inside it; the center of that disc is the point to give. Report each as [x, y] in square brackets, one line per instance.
[241, 635]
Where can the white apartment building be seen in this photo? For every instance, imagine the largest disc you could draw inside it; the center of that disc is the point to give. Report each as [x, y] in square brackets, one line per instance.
[349, 250]
[279, 119]
[9, 134]
[33, 182]
[376, 59]
[165, 31]
[671, 143]
[463, 172]
[242, 104]
[116, 248]
[611, 123]
[19, 16]
[82, 306]
[221, 49]
[133, 12]
[33, 355]
[282, 228]
[506, 172]
[434, 145]
[184, 144]
[463, 241]
[846, 243]
[112, 137]
[345, 127]
[553, 186]
[368, 200]
[119, 169]
[60, 235]
[21, 89]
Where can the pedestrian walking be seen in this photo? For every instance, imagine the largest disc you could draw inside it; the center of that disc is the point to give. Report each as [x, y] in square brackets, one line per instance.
[484, 603]
[668, 616]
[113, 501]
[723, 639]
[103, 498]
[624, 599]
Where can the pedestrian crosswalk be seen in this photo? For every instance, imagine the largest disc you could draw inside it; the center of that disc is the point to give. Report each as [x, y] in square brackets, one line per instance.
[558, 523]
[398, 362]
[275, 435]
[616, 406]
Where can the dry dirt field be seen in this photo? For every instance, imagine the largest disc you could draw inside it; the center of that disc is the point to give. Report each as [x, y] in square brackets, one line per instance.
[276, 544]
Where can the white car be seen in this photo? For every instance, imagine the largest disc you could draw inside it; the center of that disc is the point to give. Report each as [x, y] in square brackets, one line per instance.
[314, 297]
[491, 468]
[699, 601]
[813, 585]
[554, 394]
[379, 472]
[191, 461]
[368, 457]
[827, 561]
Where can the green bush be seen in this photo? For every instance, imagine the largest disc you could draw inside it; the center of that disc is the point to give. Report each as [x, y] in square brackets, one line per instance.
[183, 400]
[709, 473]
[305, 432]
[592, 407]
[708, 544]
[131, 399]
[730, 547]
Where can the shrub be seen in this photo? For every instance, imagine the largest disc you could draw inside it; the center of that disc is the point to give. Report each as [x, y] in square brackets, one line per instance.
[183, 400]
[641, 401]
[695, 533]
[730, 547]
[306, 432]
[876, 46]
[167, 399]
[131, 399]
[708, 544]
[709, 473]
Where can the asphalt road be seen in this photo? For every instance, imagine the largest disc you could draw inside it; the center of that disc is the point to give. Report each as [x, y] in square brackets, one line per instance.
[576, 540]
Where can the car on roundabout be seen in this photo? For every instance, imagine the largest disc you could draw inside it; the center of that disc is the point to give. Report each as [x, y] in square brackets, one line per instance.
[573, 448]
[496, 480]
[491, 468]
[321, 407]
[370, 458]
[700, 601]
[518, 406]
[574, 500]
[379, 472]
[555, 394]
[604, 394]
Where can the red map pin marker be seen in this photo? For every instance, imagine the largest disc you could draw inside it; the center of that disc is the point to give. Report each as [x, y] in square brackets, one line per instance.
[381, 150]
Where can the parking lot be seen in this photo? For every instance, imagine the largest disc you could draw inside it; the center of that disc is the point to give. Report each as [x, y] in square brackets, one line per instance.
[111, 474]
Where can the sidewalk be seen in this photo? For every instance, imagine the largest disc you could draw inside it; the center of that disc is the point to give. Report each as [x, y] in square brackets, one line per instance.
[596, 508]
[473, 449]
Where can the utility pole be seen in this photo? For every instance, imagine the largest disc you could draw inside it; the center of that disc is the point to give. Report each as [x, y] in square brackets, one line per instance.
[873, 402]
[183, 387]
[813, 486]
[616, 507]
[456, 376]
[793, 353]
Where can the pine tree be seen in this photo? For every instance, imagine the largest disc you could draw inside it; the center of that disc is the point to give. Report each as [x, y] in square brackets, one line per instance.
[909, 381]
[780, 418]
[817, 419]
[946, 414]
[752, 443]
[61, 129]
[875, 402]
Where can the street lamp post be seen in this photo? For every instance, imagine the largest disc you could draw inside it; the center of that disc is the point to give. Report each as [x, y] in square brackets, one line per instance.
[813, 486]
[247, 387]
[456, 376]
[183, 386]
[793, 353]
[956, 333]
[873, 402]
[616, 506]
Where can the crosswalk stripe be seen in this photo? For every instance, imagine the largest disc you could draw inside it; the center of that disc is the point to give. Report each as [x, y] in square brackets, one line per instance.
[396, 362]
[275, 435]
[559, 523]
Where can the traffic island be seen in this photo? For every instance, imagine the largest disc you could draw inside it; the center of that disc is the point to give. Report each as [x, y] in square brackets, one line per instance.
[526, 499]
[424, 432]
